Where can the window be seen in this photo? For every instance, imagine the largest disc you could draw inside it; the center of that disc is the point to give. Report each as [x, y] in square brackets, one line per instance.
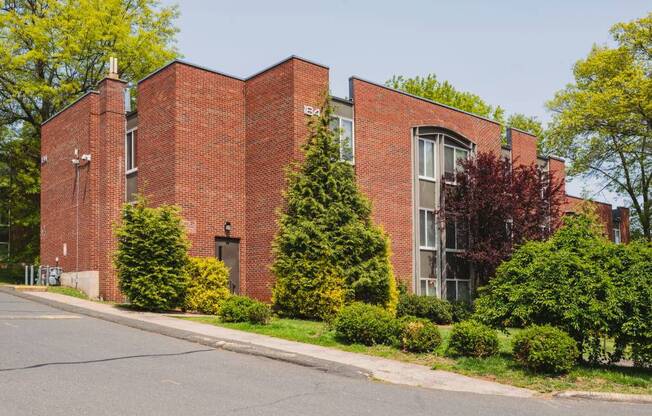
[428, 287]
[427, 230]
[345, 128]
[458, 277]
[455, 236]
[427, 159]
[617, 235]
[130, 151]
[452, 156]
[131, 165]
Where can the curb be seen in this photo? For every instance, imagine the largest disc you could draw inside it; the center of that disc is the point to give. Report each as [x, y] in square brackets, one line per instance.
[609, 397]
[213, 342]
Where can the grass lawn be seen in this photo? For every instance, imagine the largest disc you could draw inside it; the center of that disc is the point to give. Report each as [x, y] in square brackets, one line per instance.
[501, 368]
[68, 291]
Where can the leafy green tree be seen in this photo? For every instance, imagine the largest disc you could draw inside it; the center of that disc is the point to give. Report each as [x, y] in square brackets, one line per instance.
[603, 121]
[328, 252]
[431, 88]
[19, 190]
[152, 256]
[564, 282]
[51, 52]
[526, 123]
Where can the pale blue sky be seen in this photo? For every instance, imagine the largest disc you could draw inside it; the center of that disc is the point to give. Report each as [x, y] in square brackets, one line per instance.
[512, 53]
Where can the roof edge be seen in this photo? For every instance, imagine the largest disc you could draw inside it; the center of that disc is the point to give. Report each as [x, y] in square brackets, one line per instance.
[424, 99]
[262, 71]
[75, 101]
[190, 64]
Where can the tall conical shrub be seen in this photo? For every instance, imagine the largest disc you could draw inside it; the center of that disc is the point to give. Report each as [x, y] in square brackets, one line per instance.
[328, 252]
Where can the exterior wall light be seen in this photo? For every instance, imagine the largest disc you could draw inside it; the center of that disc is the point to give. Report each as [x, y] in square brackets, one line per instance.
[227, 228]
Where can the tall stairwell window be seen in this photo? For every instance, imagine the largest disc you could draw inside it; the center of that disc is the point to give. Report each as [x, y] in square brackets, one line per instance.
[131, 165]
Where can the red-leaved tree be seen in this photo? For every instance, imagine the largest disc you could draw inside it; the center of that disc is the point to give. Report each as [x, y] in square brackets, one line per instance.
[497, 206]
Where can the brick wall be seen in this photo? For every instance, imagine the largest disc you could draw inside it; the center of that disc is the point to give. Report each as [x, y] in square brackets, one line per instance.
[275, 129]
[110, 155]
[383, 132]
[74, 128]
[524, 147]
[210, 157]
[156, 152]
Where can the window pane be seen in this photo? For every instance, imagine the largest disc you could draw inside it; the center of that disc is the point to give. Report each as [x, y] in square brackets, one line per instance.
[134, 147]
[463, 290]
[461, 236]
[450, 234]
[451, 290]
[432, 289]
[429, 159]
[423, 287]
[346, 142]
[335, 124]
[132, 186]
[456, 267]
[422, 228]
[460, 155]
[421, 161]
[129, 162]
[449, 163]
[431, 228]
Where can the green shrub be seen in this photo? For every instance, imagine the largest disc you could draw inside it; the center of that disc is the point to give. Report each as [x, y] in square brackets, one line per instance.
[545, 349]
[472, 339]
[461, 310]
[208, 285]
[632, 330]
[244, 309]
[428, 307]
[151, 256]
[315, 293]
[366, 324]
[419, 335]
[565, 282]
[259, 313]
[328, 251]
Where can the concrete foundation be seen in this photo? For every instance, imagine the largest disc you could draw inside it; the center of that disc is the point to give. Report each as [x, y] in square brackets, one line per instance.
[86, 281]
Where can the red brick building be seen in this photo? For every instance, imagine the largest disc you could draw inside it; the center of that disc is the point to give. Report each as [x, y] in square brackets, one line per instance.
[217, 145]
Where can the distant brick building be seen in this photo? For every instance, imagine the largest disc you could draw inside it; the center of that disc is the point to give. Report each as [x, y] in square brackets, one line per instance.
[217, 145]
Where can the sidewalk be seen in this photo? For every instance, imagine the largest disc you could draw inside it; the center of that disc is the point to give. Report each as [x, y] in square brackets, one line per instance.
[322, 358]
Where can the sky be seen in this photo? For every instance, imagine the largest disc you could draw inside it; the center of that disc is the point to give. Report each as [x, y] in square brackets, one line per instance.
[515, 54]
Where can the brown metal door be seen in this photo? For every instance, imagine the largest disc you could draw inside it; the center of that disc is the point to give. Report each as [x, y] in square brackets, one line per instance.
[228, 250]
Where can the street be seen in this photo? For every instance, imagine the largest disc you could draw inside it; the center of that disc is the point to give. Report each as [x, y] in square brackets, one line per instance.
[56, 363]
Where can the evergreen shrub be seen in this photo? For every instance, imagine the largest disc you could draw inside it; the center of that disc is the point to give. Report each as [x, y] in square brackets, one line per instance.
[151, 256]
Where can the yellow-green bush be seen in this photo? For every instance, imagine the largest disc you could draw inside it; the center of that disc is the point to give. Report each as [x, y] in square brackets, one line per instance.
[208, 285]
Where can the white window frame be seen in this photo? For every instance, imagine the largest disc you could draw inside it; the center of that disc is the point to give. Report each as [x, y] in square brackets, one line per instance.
[455, 150]
[341, 133]
[133, 151]
[434, 220]
[617, 236]
[435, 289]
[432, 178]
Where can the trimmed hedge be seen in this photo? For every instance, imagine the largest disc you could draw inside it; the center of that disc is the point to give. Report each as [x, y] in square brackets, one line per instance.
[361, 323]
[472, 339]
[419, 335]
[244, 309]
[208, 285]
[545, 349]
[429, 307]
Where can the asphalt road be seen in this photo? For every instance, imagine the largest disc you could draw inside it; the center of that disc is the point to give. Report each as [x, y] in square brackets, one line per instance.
[57, 363]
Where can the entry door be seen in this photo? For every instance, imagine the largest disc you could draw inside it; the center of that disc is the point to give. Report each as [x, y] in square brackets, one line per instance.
[228, 250]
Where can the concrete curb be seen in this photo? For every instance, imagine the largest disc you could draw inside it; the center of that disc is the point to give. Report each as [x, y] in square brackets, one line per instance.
[217, 343]
[609, 397]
